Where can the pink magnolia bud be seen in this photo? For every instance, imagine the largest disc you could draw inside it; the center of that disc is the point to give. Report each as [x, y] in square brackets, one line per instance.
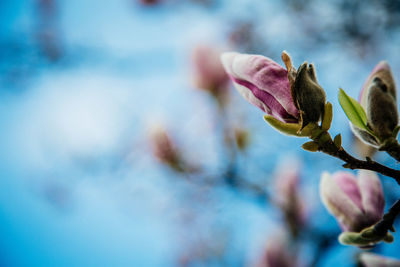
[378, 98]
[262, 82]
[209, 74]
[356, 203]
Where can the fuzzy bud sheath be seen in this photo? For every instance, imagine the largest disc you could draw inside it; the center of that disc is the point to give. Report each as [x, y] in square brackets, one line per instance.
[378, 98]
[208, 72]
[308, 94]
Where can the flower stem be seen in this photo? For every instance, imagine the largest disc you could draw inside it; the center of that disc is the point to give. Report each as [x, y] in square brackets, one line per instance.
[387, 221]
[327, 146]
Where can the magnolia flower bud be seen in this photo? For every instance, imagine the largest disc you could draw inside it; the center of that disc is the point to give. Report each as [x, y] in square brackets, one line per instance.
[288, 195]
[373, 260]
[356, 203]
[263, 83]
[378, 98]
[209, 74]
[308, 95]
[277, 254]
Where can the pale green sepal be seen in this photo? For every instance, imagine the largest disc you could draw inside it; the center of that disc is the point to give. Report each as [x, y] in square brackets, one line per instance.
[338, 141]
[293, 129]
[368, 233]
[316, 133]
[310, 146]
[328, 115]
[366, 237]
[353, 239]
[285, 128]
[388, 238]
[310, 129]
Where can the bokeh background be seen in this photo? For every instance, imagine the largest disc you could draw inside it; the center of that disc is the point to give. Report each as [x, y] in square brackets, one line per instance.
[84, 85]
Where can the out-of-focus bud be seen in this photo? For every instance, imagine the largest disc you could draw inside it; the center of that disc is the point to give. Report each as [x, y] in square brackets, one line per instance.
[288, 195]
[262, 82]
[373, 260]
[149, 2]
[308, 95]
[209, 74]
[355, 203]
[244, 36]
[378, 98]
[164, 148]
[277, 254]
[242, 138]
[48, 32]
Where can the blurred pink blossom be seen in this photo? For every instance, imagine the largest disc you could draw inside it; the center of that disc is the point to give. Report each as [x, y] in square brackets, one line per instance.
[209, 74]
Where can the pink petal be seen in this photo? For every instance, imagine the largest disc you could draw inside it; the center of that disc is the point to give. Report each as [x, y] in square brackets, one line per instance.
[373, 200]
[264, 74]
[262, 99]
[348, 184]
[338, 202]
